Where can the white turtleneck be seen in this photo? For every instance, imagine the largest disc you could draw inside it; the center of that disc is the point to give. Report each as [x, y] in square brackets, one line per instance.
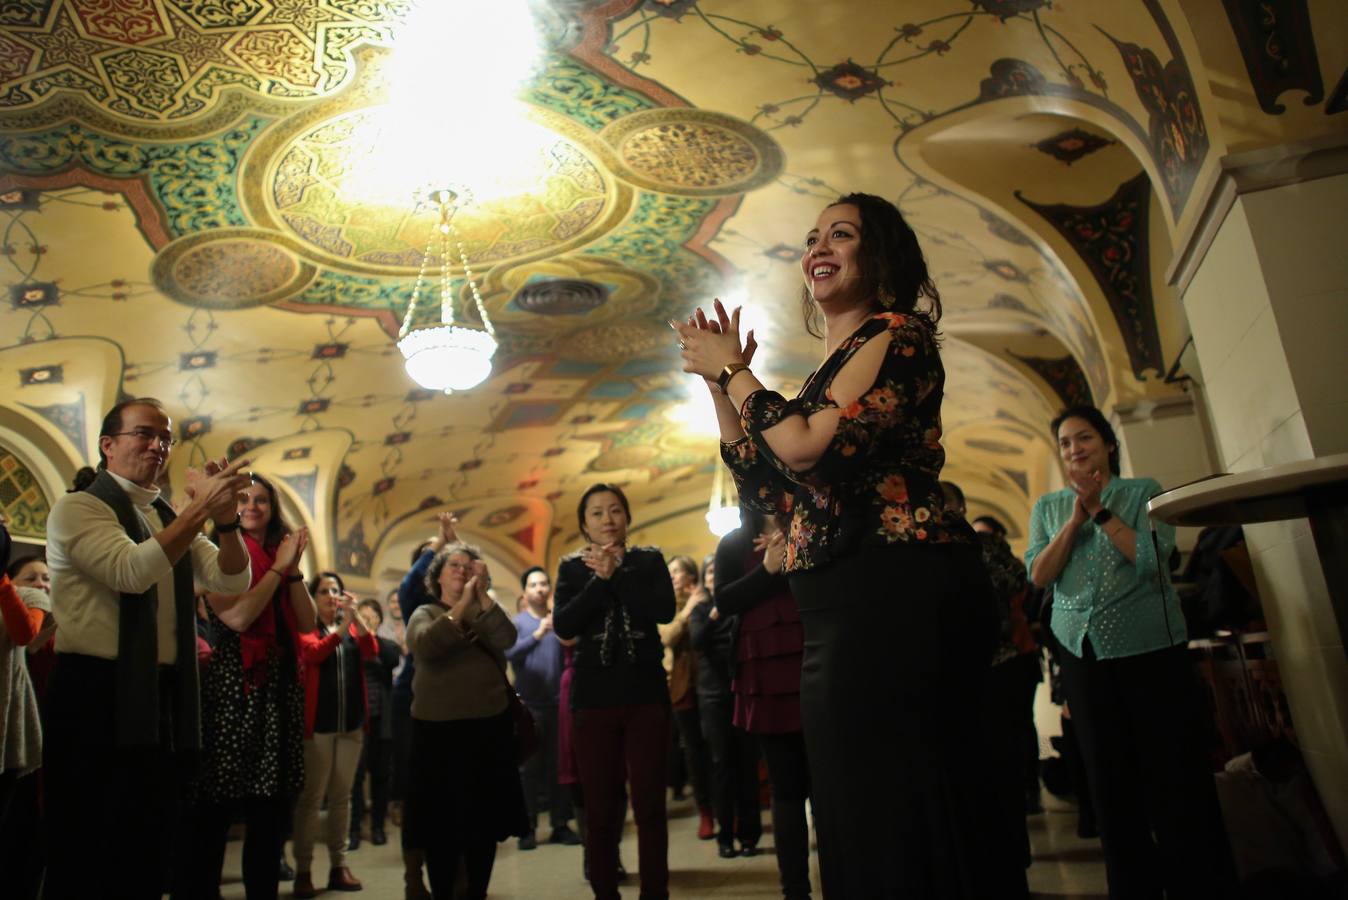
[93, 562]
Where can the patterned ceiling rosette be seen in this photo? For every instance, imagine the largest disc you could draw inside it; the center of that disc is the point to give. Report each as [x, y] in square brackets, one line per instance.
[619, 340]
[292, 182]
[692, 152]
[188, 66]
[595, 292]
[231, 268]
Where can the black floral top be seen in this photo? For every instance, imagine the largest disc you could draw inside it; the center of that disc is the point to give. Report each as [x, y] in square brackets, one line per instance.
[877, 482]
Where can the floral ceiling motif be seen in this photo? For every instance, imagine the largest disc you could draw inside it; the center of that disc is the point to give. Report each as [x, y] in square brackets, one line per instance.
[695, 139]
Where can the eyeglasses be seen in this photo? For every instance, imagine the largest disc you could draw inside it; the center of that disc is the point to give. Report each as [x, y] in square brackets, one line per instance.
[163, 438]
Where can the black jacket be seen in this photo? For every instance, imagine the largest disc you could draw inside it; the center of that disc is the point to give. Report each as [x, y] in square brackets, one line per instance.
[584, 603]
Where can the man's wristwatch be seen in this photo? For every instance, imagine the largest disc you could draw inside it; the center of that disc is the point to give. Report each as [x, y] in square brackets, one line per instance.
[229, 526]
[1102, 517]
[729, 372]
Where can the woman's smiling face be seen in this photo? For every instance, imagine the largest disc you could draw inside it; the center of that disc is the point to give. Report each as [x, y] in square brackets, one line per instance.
[829, 263]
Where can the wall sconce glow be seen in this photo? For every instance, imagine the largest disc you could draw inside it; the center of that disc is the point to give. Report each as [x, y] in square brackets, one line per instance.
[723, 520]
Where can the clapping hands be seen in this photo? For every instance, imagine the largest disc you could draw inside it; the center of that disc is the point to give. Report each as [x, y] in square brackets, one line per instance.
[774, 550]
[603, 559]
[216, 488]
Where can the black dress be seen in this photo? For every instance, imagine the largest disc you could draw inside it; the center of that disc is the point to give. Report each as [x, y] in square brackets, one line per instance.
[900, 625]
[252, 739]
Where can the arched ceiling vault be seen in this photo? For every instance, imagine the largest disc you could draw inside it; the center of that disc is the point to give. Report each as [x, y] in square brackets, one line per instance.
[171, 228]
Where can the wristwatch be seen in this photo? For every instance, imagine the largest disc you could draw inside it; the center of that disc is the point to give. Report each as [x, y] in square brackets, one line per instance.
[231, 526]
[729, 372]
[1102, 517]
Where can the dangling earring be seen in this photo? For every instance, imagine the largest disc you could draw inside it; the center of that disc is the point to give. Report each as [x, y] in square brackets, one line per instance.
[886, 297]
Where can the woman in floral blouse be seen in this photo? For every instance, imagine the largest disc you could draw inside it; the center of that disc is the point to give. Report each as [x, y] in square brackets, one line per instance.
[871, 556]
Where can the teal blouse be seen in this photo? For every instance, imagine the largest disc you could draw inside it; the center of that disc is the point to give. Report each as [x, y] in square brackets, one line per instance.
[1119, 605]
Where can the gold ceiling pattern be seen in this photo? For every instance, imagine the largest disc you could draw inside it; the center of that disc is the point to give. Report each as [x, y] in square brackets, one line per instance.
[175, 223]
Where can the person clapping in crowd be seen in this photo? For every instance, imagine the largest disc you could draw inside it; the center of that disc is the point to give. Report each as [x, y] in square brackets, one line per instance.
[27, 618]
[733, 751]
[252, 704]
[613, 598]
[855, 460]
[464, 789]
[335, 716]
[1132, 693]
[122, 725]
[751, 586]
[681, 666]
[376, 758]
[536, 657]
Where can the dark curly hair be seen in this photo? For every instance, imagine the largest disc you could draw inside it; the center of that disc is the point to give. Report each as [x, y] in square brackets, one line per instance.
[891, 264]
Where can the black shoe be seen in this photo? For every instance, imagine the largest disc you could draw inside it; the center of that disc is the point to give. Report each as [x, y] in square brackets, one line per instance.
[528, 842]
[353, 842]
[726, 851]
[377, 837]
[285, 873]
[564, 835]
[749, 850]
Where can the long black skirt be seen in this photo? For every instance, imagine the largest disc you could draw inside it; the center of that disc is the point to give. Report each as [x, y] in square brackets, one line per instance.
[463, 783]
[898, 642]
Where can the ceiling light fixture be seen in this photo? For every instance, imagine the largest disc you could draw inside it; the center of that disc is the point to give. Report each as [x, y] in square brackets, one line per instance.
[723, 511]
[450, 356]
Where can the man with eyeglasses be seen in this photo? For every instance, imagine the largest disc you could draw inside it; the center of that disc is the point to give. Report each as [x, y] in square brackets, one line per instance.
[123, 718]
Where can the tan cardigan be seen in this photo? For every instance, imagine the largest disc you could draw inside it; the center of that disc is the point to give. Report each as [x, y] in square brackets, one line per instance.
[453, 678]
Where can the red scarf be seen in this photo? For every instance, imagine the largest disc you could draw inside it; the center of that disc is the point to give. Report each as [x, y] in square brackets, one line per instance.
[257, 642]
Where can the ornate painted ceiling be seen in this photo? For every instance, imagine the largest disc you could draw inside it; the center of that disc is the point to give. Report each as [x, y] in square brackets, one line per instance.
[173, 226]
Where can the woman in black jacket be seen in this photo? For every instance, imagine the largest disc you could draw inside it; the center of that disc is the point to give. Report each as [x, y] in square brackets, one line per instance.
[612, 597]
[734, 753]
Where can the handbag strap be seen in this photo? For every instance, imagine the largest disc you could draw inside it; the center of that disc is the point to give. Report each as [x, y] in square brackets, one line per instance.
[496, 664]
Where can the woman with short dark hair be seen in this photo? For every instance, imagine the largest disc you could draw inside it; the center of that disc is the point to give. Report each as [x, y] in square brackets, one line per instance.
[1130, 687]
[464, 793]
[613, 598]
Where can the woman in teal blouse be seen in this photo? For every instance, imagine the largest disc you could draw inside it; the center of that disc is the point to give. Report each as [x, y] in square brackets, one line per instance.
[1130, 689]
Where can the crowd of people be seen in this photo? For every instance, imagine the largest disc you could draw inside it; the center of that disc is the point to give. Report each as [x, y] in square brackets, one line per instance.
[176, 674]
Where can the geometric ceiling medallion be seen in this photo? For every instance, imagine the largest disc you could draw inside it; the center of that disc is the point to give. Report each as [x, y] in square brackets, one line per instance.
[293, 180]
[1071, 145]
[692, 152]
[231, 268]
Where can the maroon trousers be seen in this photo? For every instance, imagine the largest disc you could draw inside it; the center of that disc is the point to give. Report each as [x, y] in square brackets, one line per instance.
[607, 743]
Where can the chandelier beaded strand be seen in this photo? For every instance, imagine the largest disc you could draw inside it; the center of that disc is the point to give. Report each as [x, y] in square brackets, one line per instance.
[449, 356]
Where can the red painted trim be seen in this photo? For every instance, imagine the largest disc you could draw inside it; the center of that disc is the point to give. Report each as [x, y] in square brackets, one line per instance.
[590, 51]
[149, 214]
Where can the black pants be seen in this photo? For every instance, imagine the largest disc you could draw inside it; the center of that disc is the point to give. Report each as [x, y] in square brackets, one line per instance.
[538, 775]
[696, 758]
[895, 739]
[1004, 708]
[1139, 726]
[265, 821]
[113, 814]
[463, 797]
[401, 710]
[789, 770]
[376, 759]
[734, 772]
[22, 853]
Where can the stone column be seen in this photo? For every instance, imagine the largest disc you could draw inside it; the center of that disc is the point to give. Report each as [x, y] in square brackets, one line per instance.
[1265, 287]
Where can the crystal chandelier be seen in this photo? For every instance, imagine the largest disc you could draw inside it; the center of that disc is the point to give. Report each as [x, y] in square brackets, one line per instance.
[723, 511]
[450, 356]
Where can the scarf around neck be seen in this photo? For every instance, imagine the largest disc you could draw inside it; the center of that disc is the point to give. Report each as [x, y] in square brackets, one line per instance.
[258, 640]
